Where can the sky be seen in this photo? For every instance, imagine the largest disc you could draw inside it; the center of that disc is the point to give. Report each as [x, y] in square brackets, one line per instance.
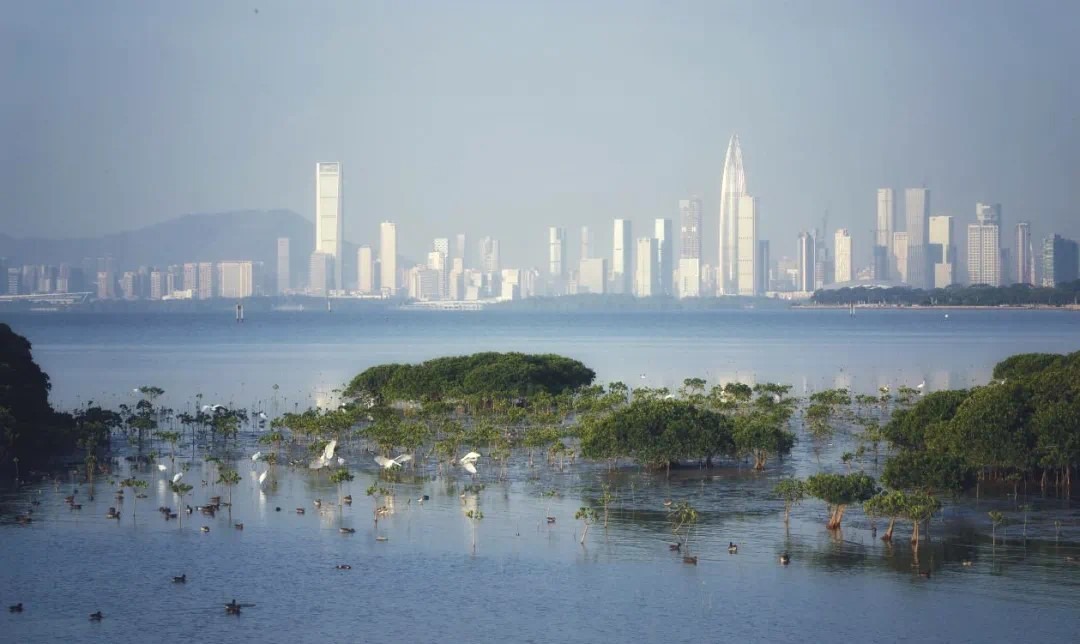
[502, 118]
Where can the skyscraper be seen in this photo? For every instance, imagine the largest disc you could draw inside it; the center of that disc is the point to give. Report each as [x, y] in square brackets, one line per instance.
[1060, 257]
[732, 188]
[763, 265]
[191, 278]
[842, 243]
[747, 247]
[942, 250]
[665, 252]
[365, 270]
[284, 275]
[329, 220]
[236, 279]
[917, 206]
[900, 255]
[690, 228]
[556, 253]
[805, 262]
[586, 244]
[459, 248]
[490, 262]
[388, 283]
[441, 244]
[592, 275]
[646, 278]
[883, 239]
[622, 262]
[320, 267]
[208, 286]
[1025, 255]
[984, 246]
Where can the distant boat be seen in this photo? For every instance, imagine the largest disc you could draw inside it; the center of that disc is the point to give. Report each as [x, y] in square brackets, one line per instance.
[288, 307]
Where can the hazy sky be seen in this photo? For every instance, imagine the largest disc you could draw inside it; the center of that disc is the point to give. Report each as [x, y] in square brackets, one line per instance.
[505, 117]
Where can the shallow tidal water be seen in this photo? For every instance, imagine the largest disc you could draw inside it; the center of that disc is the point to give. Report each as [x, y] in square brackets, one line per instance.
[526, 580]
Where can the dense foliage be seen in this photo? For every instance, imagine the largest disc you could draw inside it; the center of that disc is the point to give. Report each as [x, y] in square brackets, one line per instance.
[30, 430]
[485, 375]
[1023, 425]
[978, 295]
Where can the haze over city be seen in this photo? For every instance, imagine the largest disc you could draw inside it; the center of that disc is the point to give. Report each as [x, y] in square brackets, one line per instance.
[502, 120]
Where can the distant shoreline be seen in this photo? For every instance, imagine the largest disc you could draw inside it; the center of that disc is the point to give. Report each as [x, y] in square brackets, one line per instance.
[942, 307]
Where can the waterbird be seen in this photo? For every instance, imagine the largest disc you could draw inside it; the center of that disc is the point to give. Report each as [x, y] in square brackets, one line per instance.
[238, 526]
[16, 608]
[176, 477]
[967, 563]
[551, 519]
[391, 463]
[318, 503]
[161, 467]
[346, 530]
[732, 548]
[182, 579]
[690, 560]
[468, 462]
[96, 617]
[299, 510]
[205, 528]
[925, 574]
[343, 567]
[256, 456]
[785, 559]
[262, 477]
[347, 499]
[380, 538]
[675, 547]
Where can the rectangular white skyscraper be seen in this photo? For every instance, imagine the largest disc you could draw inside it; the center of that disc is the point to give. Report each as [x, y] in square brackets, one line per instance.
[646, 279]
[236, 279]
[592, 275]
[622, 263]
[365, 270]
[984, 245]
[329, 220]
[900, 255]
[690, 228]
[586, 244]
[842, 245]
[883, 240]
[665, 249]
[284, 275]
[917, 206]
[388, 259]
[319, 269]
[490, 261]
[942, 250]
[556, 252]
[806, 263]
[747, 247]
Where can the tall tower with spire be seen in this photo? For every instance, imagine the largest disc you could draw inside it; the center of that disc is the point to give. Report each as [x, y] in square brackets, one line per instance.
[732, 189]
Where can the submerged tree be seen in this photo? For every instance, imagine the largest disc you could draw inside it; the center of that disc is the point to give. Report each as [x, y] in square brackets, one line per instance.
[228, 477]
[134, 484]
[682, 516]
[180, 490]
[840, 491]
[340, 476]
[587, 516]
[792, 491]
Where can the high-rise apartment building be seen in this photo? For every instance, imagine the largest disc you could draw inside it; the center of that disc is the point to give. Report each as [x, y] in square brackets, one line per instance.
[1060, 260]
[459, 248]
[900, 255]
[157, 285]
[586, 244]
[689, 277]
[365, 270]
[884, 258]
[844, 271]
[208, 281]
[622, 262]
[732, 189]
[942, 250]
[320, 270]
[665, 253]
[690, 228]
[1025, 254]
[329, 216]
[592, 275]
[556, 253]
[236, 279]
[284, 273]
[806, 262]
[646, 278]
[388, 259]
[191, 279]
[984, 246]
[490, 261]
[917, 207]
[441, 244]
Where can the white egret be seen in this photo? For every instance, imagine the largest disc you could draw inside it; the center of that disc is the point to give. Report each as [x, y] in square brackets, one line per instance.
[161, 467]
[262, 477]
[921, 385]
[468, 462]
[256, 456]
[390, 463]
[325, 458]
[262, 415]
[176, 477]
[340, 461]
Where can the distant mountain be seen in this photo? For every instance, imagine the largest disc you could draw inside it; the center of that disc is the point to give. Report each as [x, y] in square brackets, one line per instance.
[242, 235]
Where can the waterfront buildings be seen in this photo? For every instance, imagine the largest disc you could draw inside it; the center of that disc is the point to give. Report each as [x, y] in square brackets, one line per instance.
[236, 279]
[1025, 254]
[388, 247]
[844, 271]
[320, 269]
[556, 256]
[284, 277]
[806, 263]
[329, 218]
[747, 247]
[732, 189]
[942, 250]
[592, 275]
[665, 256]
[622, 262]
[647, 274]
[365, 270]
[1060, 260]
[984, 246]
[883, 256]
[900, 255]
[917, 207]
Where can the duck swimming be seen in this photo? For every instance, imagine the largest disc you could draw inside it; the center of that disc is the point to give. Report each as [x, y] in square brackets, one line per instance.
[732, 548]
[785, 559]
[182, 579]
[17, 608]
[96, 617]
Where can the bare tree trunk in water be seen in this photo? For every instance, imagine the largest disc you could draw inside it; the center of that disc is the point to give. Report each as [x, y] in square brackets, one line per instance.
[888, 531]
[915, 534]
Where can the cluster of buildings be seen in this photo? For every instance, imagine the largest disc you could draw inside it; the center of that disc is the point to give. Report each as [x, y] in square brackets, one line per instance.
[917, 249]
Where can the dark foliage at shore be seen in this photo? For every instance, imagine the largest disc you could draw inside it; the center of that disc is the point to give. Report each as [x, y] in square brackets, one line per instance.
[485, 375]
[31, 432]
[978, 295]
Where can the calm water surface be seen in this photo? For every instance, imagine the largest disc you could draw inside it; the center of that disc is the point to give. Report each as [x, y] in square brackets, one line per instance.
[525, 580]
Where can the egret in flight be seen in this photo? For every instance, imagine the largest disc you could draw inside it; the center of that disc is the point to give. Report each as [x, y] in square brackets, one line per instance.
[326, 458]
[469, 462]
[391, 463]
